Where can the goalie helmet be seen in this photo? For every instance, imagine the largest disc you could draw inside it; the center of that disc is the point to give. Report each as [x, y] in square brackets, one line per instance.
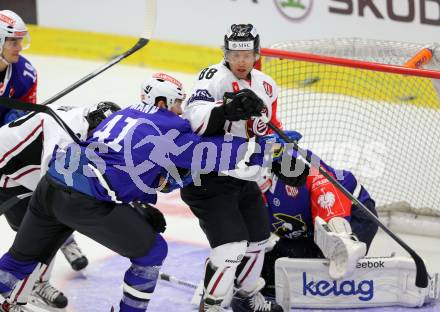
[99, 112]
[242, 37]
[12, 26]
[162, 86]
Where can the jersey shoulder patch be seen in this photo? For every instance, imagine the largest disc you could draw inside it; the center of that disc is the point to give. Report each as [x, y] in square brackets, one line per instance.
[266, 82]
[201, 95]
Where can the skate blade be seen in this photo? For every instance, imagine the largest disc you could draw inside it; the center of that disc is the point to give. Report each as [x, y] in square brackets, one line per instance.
[35, 305]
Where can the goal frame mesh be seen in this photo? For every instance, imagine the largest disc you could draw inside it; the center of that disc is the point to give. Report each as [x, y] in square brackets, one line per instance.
[399, 215]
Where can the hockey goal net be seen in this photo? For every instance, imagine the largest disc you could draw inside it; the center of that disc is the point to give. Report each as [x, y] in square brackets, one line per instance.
[360, 109]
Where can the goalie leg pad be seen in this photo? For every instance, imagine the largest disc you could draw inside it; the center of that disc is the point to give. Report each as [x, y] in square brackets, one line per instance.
[375, 282]
[292, 248]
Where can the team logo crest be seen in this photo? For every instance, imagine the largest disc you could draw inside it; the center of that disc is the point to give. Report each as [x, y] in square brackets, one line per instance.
[201, 95]
[268, 88]
[7, 20]
[327, 201]
[291, 190]
[289, 226]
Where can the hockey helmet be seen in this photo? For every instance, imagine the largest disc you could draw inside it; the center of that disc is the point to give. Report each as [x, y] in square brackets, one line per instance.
[12, 26]
[242, 37]
[162, 86]
[97, 113]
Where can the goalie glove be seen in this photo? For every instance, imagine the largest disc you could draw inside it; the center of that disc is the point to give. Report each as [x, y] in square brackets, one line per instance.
[339, 245]
[242, 105]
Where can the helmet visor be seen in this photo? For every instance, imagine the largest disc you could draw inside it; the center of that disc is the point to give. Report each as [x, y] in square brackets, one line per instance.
[19, 41]
[236, 57]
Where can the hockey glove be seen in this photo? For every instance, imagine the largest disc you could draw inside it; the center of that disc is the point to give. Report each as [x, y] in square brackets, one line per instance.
[295, 175]
[172, 184]
[152, 215]
[242, 105]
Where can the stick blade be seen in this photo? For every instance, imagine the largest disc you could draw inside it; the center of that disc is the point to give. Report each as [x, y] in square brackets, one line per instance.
[150, 19]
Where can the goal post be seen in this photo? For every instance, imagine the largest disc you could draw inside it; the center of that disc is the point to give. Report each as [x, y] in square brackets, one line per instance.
[360, 109]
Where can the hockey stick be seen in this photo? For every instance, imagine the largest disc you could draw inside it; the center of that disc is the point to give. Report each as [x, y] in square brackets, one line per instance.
[421, 273]
[173, 280]
[15, 104]
[150, 21]
[11, 202]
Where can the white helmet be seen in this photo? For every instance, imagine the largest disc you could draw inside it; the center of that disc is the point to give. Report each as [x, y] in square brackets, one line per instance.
[12, 26]
[162, 85]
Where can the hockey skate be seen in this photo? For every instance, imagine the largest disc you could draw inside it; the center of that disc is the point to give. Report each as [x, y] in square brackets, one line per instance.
[73, 254]
[253, 301]
[12, 307]
[210, 305]
[45, 295]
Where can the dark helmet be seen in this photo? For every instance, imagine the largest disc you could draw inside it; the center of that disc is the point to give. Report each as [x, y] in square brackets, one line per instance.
[242, 37]
[99, 112]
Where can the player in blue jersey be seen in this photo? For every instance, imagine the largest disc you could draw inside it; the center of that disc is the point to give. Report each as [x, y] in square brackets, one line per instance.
[18, 78]
[294, 212]
[102, 186]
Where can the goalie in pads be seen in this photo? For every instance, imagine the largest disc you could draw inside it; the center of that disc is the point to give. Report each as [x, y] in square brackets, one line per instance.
[317, 221]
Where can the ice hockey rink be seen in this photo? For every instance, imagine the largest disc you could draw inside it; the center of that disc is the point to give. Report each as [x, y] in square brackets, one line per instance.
[99, 287]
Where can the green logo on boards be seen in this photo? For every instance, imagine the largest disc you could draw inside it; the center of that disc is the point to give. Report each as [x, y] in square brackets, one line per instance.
[294, 9]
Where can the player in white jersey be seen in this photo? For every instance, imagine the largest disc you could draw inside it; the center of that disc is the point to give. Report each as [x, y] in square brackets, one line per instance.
[27, 146]
[231, 97]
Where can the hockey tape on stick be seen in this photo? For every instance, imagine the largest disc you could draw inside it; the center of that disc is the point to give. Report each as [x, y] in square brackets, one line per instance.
[174, 280]
[11, 202]
[421, 58]
[150, 22]
[421, 273]
[15, 104]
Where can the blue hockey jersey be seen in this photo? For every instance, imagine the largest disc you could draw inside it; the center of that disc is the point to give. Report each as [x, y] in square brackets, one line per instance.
[125, 157]
[19, 82]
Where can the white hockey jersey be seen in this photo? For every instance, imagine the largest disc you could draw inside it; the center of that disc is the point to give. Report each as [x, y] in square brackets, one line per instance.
[208, 92]
[28, 142]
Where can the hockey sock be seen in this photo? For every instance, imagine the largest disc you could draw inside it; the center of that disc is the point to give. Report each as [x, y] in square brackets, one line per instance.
[249, 270]
[141, 278]
[12, 271]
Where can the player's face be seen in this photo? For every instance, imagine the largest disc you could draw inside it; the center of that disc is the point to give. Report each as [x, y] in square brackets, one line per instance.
[12, 49]
[241, 62]
[177, 107]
